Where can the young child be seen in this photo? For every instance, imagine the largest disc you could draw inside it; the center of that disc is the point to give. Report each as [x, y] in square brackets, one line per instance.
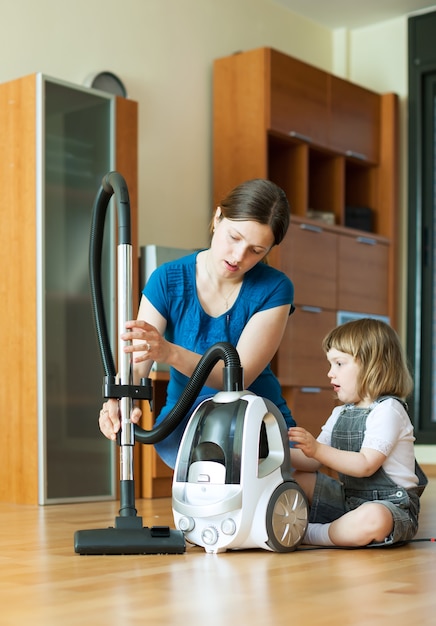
[368, 441]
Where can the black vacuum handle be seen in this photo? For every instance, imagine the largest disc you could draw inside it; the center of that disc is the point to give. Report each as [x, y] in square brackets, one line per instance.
[114, 184]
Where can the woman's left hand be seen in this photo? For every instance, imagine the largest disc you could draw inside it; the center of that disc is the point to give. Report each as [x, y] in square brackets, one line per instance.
[146, 342]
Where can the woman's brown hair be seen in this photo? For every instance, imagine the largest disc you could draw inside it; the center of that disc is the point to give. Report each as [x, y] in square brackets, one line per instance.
[259, 200]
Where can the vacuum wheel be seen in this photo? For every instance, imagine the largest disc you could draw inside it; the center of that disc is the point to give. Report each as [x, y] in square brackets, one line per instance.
[286, 517]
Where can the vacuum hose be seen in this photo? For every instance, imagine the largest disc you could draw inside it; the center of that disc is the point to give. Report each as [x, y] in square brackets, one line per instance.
[113, 183]
[233, 381]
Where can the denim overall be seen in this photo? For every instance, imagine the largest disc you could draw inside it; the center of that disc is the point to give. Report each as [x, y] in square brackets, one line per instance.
[348, 434]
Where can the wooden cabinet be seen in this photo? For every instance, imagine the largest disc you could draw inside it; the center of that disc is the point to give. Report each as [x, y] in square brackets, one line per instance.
[270, 121]
[57, 142]
[300, 360]
[355, 120]
[298, 99]
[311, 105]
[331, 145]
[156, 476]
[273, 95]
[311, 405]
[363, 274]
[309, 254]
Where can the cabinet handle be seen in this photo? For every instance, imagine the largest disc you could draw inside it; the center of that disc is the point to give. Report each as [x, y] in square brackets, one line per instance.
[310, 390]
[369, 241]
[311, 227]
[306, 138]
[311, 309]
[356, 155]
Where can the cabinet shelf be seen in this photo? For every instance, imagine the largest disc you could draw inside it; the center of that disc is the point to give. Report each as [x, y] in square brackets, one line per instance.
[320, 179]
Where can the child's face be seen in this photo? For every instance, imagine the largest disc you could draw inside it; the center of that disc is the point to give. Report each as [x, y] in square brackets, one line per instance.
[343, 373]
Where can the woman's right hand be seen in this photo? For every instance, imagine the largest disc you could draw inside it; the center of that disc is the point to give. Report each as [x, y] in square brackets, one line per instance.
[110, 418]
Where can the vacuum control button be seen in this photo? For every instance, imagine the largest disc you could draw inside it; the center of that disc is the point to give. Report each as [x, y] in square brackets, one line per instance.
[228, 526]
[210, 536]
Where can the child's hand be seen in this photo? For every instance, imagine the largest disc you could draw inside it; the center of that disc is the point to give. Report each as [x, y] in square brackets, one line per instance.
[303, 440]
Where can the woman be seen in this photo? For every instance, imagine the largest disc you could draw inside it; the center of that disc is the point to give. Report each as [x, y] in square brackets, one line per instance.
[224, 293]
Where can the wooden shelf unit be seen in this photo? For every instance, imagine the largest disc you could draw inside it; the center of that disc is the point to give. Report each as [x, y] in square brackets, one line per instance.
[156, 476]
[330, 144]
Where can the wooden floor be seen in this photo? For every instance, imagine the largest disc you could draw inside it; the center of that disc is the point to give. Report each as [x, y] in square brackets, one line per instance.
[44, 582]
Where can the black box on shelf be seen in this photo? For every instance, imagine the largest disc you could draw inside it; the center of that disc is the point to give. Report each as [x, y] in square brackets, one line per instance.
[359, 217]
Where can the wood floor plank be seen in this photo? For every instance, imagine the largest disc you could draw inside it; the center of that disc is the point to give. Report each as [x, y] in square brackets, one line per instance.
[44, 582]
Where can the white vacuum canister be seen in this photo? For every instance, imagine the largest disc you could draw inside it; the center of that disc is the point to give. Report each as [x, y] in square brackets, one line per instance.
[233, 486]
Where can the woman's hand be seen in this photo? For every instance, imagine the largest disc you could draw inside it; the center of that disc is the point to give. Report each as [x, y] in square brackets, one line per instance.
[110, 418]
[146, 342]
[304, 441]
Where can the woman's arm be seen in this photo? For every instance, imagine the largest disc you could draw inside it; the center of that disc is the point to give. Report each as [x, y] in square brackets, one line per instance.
[148, 343]
[260, 340]
[109, 419]
[256, 347]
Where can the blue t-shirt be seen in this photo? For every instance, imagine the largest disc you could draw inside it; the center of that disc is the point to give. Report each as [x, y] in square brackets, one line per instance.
[171, 289]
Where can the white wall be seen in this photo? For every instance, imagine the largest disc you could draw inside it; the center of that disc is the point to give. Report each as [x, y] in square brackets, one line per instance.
[163, 51]
[378, 60]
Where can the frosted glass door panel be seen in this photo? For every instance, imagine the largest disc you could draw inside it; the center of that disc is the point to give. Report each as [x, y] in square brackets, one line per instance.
[77, 155]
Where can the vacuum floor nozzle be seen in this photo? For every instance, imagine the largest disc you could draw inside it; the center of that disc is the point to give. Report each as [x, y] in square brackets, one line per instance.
[129, 537]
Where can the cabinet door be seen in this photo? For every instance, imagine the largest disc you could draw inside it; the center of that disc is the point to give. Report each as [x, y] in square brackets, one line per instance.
[363, 275]
[310, 406]
[355, 120]
[75, 460]
[308, 256]
[299, 99]
[300, 360]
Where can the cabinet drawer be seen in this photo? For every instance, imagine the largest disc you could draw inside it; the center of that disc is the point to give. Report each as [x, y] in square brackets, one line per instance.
[355, 120]
[300, 358]
[299, 99]
[308, 256]
[310, 406]
[363, 275]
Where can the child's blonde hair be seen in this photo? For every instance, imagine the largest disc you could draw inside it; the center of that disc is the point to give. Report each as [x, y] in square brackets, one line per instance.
[377, 348]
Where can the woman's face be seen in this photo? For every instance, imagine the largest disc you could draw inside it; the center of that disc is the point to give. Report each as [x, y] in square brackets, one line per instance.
[237, 246]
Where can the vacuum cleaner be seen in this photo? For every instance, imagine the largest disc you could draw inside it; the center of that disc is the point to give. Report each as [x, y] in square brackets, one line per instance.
[232, 486]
